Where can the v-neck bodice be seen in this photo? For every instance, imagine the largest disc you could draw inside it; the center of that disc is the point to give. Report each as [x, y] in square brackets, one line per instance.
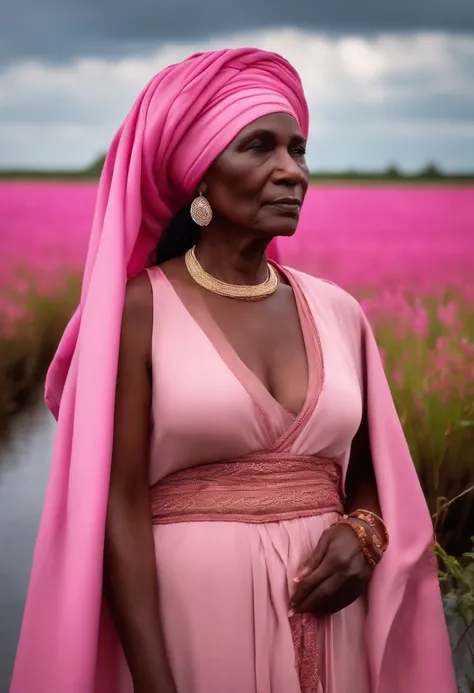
[208, 405]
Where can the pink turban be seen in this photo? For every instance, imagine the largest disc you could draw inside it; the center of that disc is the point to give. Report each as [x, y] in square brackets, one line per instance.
[179, 124]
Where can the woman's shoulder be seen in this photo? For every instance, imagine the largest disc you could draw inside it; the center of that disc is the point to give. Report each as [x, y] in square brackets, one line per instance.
[138, 291]
[138, 303]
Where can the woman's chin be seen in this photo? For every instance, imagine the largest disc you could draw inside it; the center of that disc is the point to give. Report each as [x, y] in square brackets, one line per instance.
[286, 229]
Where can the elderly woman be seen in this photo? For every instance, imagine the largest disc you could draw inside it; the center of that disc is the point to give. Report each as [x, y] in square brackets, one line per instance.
[229, 470]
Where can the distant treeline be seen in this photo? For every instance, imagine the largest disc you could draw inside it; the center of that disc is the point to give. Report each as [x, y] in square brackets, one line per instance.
[393, 174]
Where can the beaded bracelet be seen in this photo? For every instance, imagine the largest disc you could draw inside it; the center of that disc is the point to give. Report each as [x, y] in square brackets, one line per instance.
[376, 523]
[372, 553]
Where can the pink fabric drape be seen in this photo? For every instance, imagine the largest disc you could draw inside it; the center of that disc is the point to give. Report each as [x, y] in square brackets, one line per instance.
[405, 608]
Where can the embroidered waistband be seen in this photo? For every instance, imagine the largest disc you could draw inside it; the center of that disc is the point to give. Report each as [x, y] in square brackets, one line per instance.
[262, 487]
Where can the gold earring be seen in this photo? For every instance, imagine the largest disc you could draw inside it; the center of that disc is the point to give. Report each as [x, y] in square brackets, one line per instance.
[201, 211]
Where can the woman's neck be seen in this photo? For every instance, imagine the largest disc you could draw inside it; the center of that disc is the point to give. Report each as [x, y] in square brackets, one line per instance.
[234, 260]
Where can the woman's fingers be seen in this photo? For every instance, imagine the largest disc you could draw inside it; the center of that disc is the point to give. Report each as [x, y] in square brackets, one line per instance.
[331, 596]
[315, 558]
[309, 583]
[320, 596]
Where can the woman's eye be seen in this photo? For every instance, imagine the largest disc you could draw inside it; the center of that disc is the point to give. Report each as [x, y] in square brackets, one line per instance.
[263, 146]
[259, 146]
[300, 151]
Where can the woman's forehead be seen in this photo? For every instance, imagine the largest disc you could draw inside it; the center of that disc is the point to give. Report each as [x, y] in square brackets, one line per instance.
[278, 123]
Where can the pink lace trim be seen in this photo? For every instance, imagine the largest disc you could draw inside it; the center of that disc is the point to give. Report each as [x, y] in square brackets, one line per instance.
[263, 487]
[305, 643]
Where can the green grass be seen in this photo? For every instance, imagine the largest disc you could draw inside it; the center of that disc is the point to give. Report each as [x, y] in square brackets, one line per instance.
[429, 361]
[28, 345]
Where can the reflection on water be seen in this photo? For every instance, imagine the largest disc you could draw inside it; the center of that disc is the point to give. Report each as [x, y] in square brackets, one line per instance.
[24, 465]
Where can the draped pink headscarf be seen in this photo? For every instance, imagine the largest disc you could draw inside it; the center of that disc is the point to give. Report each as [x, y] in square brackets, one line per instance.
[181, 121]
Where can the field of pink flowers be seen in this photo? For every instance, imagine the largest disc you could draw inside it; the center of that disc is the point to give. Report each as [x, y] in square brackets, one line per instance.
[43, 236]
[406, 253]
[390, 239]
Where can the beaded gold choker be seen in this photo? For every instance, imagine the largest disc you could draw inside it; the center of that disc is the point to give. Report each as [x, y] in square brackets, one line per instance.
[253, 292]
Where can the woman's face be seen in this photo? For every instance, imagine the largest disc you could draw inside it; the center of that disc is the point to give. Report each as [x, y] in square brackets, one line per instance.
[259, 182]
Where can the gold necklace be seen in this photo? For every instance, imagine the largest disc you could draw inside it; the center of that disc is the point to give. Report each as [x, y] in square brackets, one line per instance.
[253, 292]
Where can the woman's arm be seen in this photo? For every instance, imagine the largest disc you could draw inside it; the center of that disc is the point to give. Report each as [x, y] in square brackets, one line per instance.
[130, 579]
[361, 486]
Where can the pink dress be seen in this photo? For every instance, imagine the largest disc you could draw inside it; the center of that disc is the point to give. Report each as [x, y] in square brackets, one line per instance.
[225, 586]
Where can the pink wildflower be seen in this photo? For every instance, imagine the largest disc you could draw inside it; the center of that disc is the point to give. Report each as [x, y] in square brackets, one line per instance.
[398, 377]
[420, 322]
[447, 314]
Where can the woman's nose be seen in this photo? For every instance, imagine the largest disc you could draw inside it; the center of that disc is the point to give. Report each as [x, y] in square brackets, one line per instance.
[287, 168]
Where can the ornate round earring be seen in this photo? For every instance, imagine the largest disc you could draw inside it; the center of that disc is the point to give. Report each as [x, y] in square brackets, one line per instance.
[201, 211]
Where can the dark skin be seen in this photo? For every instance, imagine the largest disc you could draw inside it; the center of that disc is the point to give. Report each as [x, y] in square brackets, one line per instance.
[129, 563]
[262, 165]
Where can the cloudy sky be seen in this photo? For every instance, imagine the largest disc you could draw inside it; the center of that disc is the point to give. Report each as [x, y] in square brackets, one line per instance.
[387, 82]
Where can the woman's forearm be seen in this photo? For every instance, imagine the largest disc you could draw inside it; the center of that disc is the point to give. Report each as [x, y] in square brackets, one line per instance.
[361, 483]
[362, 494]
[132, 593]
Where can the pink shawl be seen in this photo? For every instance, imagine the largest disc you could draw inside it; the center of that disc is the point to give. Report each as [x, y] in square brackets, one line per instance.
[181, 121]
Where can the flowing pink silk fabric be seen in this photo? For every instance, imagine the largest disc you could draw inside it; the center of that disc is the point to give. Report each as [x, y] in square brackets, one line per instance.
[182, 120]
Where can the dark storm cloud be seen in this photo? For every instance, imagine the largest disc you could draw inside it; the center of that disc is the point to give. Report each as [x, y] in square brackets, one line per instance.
[57, 30]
